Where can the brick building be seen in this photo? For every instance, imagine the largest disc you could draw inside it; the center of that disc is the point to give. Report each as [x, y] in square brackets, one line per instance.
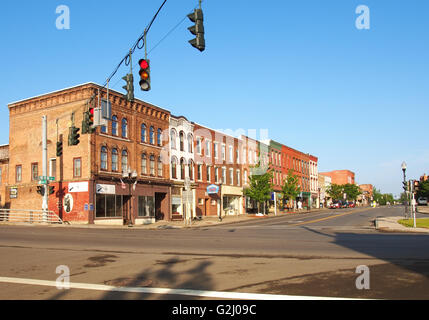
[115, 175]
[367, 194]
[341, 177]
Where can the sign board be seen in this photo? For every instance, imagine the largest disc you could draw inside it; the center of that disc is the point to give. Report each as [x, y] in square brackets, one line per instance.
[68, 203]
[78, 187]
[85, 207]
[13, 193]
[51, 178]
[187, 196]
[176, 201]
[105, 189]
[213, 189]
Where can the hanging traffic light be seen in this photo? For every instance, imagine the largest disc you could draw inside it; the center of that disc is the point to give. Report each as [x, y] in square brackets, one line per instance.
[197, 30]
[51, 190]
[41, 190]
[129, 87]
[74, 136]
[144, 75]
[88, 121]
[59, 149]
[405, 186]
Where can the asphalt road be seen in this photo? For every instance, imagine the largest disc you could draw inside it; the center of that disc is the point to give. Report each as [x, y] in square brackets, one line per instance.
[313, 254]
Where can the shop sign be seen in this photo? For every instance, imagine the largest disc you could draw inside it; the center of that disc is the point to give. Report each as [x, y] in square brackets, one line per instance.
[105, 189]
[213, 189]
[13, 193]
[78, 187]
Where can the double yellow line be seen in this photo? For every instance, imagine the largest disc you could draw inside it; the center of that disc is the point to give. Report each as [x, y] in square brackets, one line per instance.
[328, 218]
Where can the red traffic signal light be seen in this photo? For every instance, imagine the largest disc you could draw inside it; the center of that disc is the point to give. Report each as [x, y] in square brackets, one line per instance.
[144, 75]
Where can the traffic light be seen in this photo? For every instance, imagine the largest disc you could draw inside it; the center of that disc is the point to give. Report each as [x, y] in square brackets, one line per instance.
[129, 78]
[41, 190]
[59, 149]
[88, 121]
[74, 136]
[197, 30]
[144, 75]
[405, 185]
[51, 190]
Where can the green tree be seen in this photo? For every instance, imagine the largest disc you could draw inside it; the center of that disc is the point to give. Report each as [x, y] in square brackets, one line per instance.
[291, 188]
[260, 188]
[376, 195]
[423, 189]
[335, 191]
[352, 191]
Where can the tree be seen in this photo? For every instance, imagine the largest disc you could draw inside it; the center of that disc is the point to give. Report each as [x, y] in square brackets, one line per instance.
[423, 189]
[260, 188]
[335, 191]
[352, 191]
[376, 195]
[291, 188]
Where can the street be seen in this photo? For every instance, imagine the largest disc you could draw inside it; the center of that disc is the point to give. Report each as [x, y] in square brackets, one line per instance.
[311, 254]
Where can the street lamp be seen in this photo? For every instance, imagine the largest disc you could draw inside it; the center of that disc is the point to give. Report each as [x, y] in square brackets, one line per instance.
[131, 178]
[404, 168]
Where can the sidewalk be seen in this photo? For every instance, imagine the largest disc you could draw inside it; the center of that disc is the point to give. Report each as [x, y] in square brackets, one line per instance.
[390, 224]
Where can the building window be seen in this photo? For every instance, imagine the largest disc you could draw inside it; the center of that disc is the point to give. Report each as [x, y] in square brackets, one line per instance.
[231, 154]
[174, 168]
[159, 137]
[34, 172]
[77, 167]
[224, 175]
[245, 177]
[144, 163]
[143, 133]
[160, 169]
[200, 172]
[152, 165]
[115, 125]
[190, 143]
[216, 175]
[152, 135]
[124, 128]
[182, 168]
[231, 177]
[199, 145]
[238, 177]
[124, 161]
[146, 206]
[216, 150]
[115, 160]
[208, 149]
[103, 129]
[182, 141]
[173, 139]
[108, 206]
[191, 170]
[209, 174]
[223, 152]
[18, 173]
[103, 163]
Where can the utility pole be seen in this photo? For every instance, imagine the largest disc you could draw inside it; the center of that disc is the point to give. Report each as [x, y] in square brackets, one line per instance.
[45, 166]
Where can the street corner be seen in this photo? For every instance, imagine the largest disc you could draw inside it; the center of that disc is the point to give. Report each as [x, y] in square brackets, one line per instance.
[391, 224]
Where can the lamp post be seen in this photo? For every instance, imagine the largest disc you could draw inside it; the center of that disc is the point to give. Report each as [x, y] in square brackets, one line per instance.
[131, 178]
[404, 168]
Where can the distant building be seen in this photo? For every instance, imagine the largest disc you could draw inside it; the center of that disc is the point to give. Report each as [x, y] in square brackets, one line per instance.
[367, 194]
[341, 177]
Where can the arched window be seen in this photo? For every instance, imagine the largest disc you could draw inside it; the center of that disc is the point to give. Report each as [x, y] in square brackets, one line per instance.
[182, 169]
[159, 138]
[191, 170]
[182, 141]
[190, 143]
[143, 133]
[144, 163]
[152, 165]
[115, 125]
[173, 139]
[160, 169]
[103, 129]
[124, 161]
[115, 160]
[152, 135]
[174, 168]
[124, 128]
[103, 162]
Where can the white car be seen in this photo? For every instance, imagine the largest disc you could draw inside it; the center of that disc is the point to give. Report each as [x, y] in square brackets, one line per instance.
[422, 201]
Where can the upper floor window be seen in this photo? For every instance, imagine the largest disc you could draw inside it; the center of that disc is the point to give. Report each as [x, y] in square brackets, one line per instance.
[124, 161]
[152, 135]
[190, 143]
[143, 133]
[173, 139]
[182, 140]
[152, 165]
[159, 138]
[77, 167]
[160, 169]
[144, 163]
[103, 158]
[199, 145]
[115, 160]
[115, 125]
[18, 173]
[124, 128]
[34, 172]
[174, 168]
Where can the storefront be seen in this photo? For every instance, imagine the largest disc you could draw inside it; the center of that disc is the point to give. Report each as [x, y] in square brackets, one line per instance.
[232, 200]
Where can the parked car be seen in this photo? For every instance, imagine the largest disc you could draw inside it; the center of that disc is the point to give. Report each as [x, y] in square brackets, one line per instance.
[335, 205]
[422, 201]
[351, 204]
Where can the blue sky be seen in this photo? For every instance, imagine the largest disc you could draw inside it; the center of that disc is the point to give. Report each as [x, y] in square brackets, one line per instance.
[357, 99]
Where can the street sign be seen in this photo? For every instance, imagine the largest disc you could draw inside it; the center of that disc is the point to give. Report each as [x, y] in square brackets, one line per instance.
[43, 182]
[51, 178]
[43, 178]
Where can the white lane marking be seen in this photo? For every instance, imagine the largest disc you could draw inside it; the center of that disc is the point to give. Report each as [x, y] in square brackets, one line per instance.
[184, 292]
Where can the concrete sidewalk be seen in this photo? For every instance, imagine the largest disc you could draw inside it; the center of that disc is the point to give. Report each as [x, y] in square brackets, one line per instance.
[390, 224]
